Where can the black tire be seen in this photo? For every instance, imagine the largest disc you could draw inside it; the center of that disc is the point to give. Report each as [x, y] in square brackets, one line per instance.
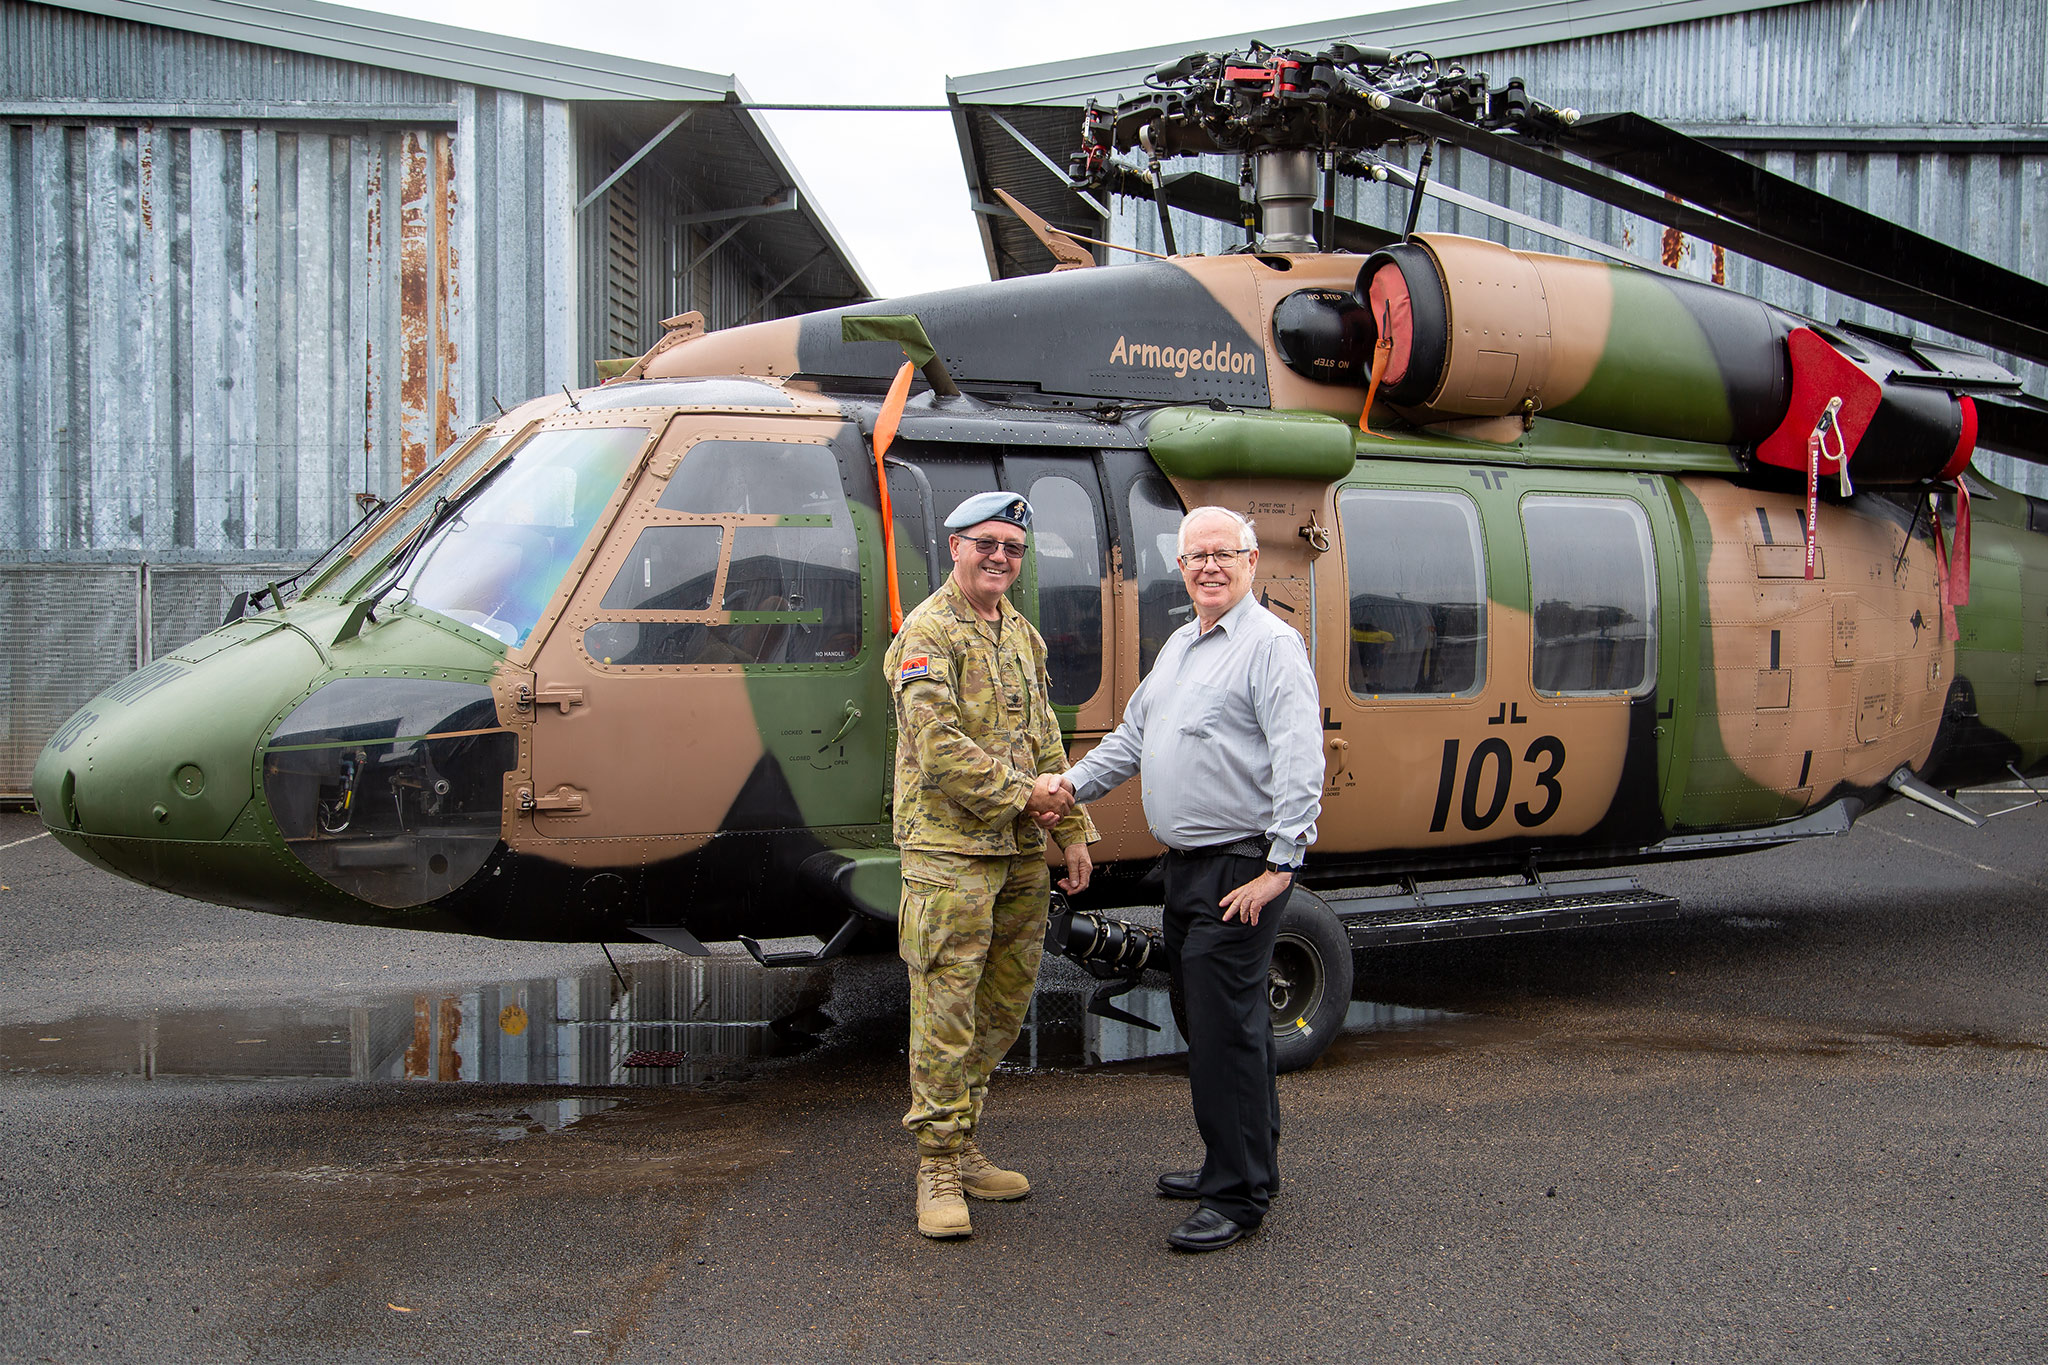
[1309, 985]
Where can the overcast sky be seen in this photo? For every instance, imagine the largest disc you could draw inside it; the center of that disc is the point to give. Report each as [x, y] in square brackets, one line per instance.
[891, 183]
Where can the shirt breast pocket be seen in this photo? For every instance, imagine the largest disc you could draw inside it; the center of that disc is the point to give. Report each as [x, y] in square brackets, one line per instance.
[1202, 710]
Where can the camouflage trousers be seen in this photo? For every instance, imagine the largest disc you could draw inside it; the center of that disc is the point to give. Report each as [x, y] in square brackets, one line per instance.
[971, 931]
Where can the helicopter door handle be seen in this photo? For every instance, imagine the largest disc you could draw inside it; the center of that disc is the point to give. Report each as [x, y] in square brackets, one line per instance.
[563, 800]
[554, 694]
[852, 719]
[1340, 749]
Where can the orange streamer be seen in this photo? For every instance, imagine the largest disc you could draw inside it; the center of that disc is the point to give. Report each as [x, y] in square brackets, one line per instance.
[886, 422]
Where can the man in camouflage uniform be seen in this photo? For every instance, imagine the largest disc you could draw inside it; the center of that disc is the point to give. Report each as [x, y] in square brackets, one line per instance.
[975, 728]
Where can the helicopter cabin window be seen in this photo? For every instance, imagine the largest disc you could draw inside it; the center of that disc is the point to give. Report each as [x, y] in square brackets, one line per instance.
[1416, 577]
[496, 560]
[910, 503]
[1163, 605]
[1067, 560]
[1592, 595]
[765, 571]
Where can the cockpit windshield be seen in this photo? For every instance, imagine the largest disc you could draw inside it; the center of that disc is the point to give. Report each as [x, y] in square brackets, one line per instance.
[497, 561]
[345, 565]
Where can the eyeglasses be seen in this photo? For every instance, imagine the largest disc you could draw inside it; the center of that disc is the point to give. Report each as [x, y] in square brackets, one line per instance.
[1222, 559]
[990, 546]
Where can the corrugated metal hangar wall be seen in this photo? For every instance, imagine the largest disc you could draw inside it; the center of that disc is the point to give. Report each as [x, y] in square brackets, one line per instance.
[248, 289]
[1933, 113]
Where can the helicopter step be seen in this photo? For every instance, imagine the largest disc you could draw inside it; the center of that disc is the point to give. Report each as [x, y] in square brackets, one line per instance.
[804, 957]
[683, 941]
[1424, 916]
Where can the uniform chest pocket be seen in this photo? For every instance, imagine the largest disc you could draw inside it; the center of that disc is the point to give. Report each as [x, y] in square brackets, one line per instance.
[1203, 710]
[1011, 676]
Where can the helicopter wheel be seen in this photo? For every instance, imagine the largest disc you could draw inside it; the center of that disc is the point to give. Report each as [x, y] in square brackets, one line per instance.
[1308, 987]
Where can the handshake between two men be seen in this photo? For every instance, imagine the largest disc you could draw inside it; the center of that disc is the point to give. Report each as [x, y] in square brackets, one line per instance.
[1051, 801]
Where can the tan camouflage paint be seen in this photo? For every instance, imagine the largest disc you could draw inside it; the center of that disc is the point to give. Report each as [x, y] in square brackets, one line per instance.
[1386, 793]
[1383, 766]
[1530, 325]
[765, 350]
[971, 931]
[610, 751]
[1858, 684]
[1559, 307]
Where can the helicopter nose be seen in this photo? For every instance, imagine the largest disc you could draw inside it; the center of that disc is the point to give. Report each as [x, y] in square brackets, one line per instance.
[165, 754]
[251, 769]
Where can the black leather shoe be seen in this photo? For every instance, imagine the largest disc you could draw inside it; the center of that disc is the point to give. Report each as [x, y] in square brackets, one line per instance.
[1181, 1184]
[1208, 1230]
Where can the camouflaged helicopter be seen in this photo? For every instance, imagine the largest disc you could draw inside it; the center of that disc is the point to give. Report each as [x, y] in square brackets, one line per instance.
[1596, 566]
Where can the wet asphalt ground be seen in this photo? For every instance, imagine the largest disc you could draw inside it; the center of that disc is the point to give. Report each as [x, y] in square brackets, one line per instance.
[1802, 1123]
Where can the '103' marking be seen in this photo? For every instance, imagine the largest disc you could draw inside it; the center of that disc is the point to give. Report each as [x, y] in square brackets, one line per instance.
[1486, 777]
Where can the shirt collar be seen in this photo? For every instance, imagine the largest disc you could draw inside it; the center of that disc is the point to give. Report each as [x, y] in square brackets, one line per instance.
[964, 609]
[1229, 620]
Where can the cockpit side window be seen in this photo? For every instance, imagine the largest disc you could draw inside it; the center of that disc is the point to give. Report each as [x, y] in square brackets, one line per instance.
[1163, 605]
[1066, 560]
[751, 560]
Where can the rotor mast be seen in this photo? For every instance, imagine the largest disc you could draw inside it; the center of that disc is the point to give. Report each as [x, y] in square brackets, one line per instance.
[1293, 118]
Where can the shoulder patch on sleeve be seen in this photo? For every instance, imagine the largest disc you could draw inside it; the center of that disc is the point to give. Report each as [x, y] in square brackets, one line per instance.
[914, 666]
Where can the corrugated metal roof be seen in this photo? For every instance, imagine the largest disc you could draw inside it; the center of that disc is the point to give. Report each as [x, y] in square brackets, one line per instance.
[57, 56]
[401, 44]
[1457, 29]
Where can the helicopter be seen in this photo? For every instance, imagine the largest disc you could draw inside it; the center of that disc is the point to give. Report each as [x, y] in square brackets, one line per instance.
[1597, 566]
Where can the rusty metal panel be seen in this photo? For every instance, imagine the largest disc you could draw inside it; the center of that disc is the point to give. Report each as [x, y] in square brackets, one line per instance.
[215, 346]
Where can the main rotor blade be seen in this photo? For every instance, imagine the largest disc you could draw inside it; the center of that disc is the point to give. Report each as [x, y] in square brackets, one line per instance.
[1656, 154]
[2013, 424]
[1917, 298]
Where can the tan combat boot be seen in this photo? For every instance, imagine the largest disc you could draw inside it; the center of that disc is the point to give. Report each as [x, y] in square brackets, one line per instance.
[984, 1179]
[941, 1212]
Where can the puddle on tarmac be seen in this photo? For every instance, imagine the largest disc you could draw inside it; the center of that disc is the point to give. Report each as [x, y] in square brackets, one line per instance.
[673, 1021]
[539, 1116]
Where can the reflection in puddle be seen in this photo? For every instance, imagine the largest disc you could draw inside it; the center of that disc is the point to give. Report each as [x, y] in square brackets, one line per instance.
[540, 1116]
[1060, 1033]
[674, 1021]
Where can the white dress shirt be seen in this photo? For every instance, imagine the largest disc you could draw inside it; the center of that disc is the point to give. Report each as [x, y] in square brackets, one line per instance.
[1227, 732]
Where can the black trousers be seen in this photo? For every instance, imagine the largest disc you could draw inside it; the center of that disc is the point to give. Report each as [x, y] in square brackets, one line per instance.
[1221, 969]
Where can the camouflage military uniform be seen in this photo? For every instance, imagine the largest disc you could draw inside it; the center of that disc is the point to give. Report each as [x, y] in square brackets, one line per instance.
[975, 727]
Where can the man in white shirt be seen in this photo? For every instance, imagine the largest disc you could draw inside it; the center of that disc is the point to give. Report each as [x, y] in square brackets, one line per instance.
[1226, 731]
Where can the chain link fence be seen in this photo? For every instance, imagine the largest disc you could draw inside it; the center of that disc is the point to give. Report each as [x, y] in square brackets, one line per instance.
[73, 630]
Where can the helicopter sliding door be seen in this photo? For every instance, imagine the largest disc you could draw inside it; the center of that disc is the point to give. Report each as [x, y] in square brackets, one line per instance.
[1501, 651]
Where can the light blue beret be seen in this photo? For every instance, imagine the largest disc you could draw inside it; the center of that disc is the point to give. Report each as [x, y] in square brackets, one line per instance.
[996, 506]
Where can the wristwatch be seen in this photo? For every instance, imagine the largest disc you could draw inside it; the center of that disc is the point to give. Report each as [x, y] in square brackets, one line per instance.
[1289, 868]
